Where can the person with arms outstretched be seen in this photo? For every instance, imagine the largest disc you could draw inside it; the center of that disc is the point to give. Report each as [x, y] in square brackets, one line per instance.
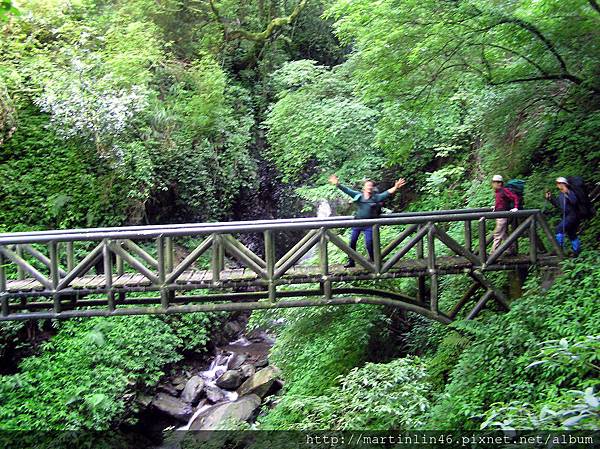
[367, 206]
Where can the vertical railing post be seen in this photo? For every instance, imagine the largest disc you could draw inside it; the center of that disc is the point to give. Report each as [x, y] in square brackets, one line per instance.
[216, 259]
[270, 262]
[544, 224]
[162, 274]
[468, 236]
[324, 264]
[431, 265]
[120, 272]
[3, 290]
[533, 241]
[421, 290]
[110, 294]
[70, 257]
[377, 249]
[20, 271]
[120, 265]
[170, 254]
[54, 274]
[482, 240]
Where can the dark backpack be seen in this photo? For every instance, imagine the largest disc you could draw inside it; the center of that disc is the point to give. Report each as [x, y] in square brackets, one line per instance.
[378, 208]
[517, 186]
[378, 205]
[584, 207]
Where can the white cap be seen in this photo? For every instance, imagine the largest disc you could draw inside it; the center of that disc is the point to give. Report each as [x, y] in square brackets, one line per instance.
[562, 180]
[498, 178]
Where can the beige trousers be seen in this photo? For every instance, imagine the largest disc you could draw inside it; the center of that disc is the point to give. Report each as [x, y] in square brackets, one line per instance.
[501, 234]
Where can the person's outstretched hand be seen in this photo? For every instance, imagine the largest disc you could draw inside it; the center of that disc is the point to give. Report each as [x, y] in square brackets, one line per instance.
[333, 179]
[514, 209]
[399, 183]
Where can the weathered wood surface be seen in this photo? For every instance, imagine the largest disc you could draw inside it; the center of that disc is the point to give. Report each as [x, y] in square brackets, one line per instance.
[237, 278]
[203, 278]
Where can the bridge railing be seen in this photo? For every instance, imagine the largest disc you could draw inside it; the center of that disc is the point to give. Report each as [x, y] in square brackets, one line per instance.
[34, 265]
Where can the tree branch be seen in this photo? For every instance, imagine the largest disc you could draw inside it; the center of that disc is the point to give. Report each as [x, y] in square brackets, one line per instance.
[550, 77]
[261, 36]
[594, 4]
[533, 30]
[516, 53]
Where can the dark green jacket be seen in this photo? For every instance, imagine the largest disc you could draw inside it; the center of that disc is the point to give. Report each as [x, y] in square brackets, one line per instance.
[365, 208]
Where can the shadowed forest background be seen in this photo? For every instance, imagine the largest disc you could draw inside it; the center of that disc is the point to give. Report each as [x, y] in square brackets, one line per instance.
[150, 112]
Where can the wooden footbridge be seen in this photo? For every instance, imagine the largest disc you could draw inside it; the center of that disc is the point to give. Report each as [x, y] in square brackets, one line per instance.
[105, 271]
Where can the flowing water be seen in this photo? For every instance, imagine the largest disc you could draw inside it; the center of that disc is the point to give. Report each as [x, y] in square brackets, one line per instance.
[253, 350]
[323, 211]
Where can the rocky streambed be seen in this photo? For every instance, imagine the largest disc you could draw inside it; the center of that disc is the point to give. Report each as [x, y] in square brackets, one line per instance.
[210, 393]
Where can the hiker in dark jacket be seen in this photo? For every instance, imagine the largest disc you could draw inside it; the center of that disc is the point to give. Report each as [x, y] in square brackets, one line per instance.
[567, 202]
[505, 198]
[366, 207]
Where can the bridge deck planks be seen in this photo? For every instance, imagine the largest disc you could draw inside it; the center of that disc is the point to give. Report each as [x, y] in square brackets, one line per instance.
[204, 277]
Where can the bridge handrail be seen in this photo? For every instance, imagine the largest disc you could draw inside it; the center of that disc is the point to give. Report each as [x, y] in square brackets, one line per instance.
[217, 224]
[255, 226]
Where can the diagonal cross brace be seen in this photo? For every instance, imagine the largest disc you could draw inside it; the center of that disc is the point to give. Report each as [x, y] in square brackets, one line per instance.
[500, 297]
[141, 268]
[508, 242]
[238, 254]
[82, 267]
[300, 251]
[189, 260]
[19, 261]
[337, 241]
[411, 243]
[455, 246]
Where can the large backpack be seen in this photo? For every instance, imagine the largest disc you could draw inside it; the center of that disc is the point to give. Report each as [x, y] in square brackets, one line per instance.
[377, 208]
[517, 186]
[584, 207]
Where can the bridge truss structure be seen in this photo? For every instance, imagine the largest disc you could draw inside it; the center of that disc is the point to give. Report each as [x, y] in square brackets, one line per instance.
[146, 270]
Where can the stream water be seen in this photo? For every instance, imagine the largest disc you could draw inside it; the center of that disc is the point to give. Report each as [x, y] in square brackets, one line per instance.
[252, 348]
[323, 211]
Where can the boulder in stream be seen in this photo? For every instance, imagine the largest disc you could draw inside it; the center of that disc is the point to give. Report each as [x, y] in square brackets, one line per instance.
[218, 415]
[261, 362]
[236, 360]
[247, 370]
[179, 383]
[168, 388]
[193, 390]
[214, 394]
[230, 380]
[231, 330]
[261, 382]
[172, 406]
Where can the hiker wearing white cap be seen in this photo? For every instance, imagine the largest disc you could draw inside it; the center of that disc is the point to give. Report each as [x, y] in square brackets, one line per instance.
[567, 202]
[505, 198]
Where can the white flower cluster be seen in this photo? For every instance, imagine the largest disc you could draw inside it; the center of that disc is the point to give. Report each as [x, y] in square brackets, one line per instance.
[77, 107]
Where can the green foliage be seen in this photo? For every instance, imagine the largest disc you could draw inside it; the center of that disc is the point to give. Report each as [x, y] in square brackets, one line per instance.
[6, 9]
[494, 368]
[318, 123]
[169, 139]
[574, 409]
[82, 377]
[375, 396]
[51, 184]
[313, 347]
[194, 329]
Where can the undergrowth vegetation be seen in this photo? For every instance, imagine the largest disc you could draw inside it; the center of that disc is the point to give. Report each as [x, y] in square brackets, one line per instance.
[134, 112]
